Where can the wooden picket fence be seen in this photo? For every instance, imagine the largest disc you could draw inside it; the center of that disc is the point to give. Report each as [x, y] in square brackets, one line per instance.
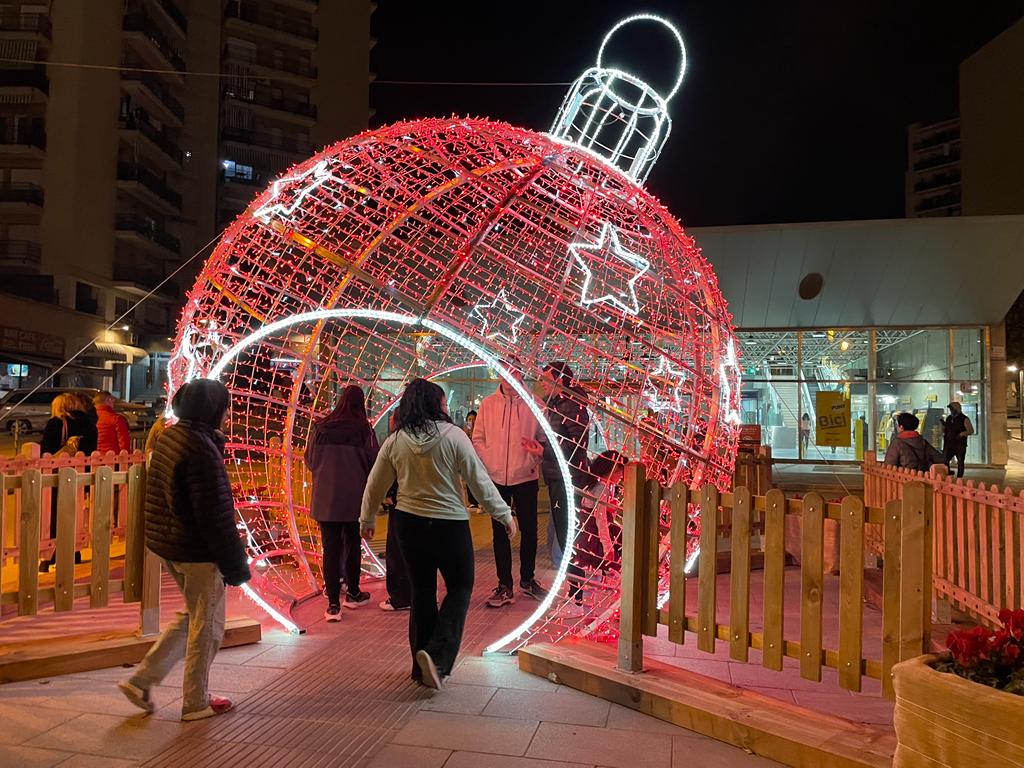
[99, 511]
[758, 523]
[978, 551]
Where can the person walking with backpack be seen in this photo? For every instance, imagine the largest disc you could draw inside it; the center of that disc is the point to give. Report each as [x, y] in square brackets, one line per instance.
[506, 439]
[956, 428]
[340, 452]
[430, 457]
[909, 449]
[190, 524]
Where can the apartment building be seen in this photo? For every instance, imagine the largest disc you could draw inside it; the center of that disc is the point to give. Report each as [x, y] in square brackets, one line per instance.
[933, 169]
[137, 132]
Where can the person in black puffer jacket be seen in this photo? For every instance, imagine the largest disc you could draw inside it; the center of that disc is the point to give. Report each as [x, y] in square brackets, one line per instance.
[190, 523]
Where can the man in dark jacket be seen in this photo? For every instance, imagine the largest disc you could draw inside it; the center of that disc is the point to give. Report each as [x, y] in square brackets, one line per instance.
[909, 449]
[566, 411]
[956, 428]
[190, 524]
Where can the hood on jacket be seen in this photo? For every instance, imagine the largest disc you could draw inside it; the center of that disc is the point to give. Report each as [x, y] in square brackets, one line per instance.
[202, 401]
[423, 442]
[343, 431]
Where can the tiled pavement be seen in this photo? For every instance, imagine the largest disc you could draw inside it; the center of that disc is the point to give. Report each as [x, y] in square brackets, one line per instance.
[340, 696]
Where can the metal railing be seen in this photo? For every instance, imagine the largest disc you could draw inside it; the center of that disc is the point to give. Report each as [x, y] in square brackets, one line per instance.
[265, 59]
[20, 257]
[160, 138]
[159, 90]
[265, 139]
[148, 179]
[21, 192]
[145, 227]
[26, 22]
[25, 134]
[292, 106]
[279, 20]
[145, 277]
[140, 22]
[27, 78]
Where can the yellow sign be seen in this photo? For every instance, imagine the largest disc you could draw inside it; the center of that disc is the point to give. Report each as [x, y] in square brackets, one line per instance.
[833, 410]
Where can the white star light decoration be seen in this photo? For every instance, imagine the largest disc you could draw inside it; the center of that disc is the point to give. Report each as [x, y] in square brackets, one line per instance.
[493, 317]
[318, 175]
[611, 250]
[663, 388]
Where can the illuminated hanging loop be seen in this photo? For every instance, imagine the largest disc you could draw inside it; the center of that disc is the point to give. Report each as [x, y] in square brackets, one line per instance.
[617, 116]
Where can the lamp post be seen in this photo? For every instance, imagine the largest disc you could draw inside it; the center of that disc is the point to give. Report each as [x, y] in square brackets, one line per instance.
[1019, 370]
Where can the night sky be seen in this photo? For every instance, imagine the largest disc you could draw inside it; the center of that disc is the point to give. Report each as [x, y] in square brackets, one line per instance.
[790, 112]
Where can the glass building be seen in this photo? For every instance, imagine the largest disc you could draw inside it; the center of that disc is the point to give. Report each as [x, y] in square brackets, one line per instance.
[898, 315]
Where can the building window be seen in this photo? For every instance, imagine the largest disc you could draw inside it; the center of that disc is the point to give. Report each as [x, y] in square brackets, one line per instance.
[233, 170]
[85, 298]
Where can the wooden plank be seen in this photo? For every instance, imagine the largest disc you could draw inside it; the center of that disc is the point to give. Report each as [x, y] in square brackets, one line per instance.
[739, 577]
[67, 496]
[135, 538]
[927, 576]
[28, 542]
[65, 656]
[985, 549]
[998, 555]
[973, 549]
[102, 512]
[680, 502]
[652, 559]
[759, 724]
[851, 592]
[631, 643]
[1013, 559]
[774, 579]
[959, 540]
[812, 584]
[912, 582]
[709, 502]
[891, 593]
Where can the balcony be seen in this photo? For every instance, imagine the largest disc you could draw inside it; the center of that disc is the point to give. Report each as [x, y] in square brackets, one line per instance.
[22, 138]
[279, 22]
[267, 60]
[934, 161]
[159, 138]
[141, 279]
[938, 181]
[20, 257]
[129, 172]
[34, 79]
[18, 193]
[175, 14]
[950, 200]
[133, 225]
[158, 92]
[25, 24]
[291, 107]
[267, 140]
[140, 24]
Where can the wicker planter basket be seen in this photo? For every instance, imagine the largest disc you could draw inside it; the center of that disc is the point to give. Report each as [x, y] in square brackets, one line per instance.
[944, 720]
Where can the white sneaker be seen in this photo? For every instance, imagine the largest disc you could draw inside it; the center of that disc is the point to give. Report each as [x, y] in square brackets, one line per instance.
[431, 677]
[137, 696]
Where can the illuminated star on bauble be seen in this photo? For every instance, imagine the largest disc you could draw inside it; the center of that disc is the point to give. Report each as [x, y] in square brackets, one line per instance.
[612, 257]
[498, 318]
[663, 389]
[316, 177]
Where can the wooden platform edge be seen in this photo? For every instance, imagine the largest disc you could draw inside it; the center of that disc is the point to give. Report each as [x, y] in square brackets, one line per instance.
[754, 722]
[68, 655]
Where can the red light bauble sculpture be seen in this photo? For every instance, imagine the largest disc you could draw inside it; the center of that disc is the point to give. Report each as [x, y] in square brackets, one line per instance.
[512, 243]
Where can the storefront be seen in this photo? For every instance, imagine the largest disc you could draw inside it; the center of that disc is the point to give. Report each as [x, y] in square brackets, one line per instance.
[897, 315]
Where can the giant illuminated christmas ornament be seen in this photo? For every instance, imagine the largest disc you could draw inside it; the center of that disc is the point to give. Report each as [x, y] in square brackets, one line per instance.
[433, 246]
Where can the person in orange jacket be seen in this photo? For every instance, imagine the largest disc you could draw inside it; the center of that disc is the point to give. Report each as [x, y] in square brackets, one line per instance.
[112, 427]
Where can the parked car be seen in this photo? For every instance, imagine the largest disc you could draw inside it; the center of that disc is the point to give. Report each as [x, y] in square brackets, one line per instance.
[32, 414]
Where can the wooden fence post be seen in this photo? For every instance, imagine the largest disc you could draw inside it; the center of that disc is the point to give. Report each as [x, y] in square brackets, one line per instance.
[915, 571]
[707, 628]
[67, 496]
[28, 544]
[774, 579]
[851, 590]
[102, 515]
[652, 559]
[812, 585]
[739, 576]
[764, 470]
[135, 535]
[631, 641]
[680, 501]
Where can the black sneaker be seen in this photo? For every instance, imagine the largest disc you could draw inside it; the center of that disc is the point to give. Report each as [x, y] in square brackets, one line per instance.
[532, 588]
[356, 600]
[333, 613]
[501, 596]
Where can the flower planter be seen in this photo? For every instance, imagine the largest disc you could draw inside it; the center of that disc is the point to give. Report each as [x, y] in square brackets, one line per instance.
[944, 720]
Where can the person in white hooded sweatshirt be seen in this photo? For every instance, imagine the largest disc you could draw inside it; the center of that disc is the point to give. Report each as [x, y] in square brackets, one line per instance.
[428, 454]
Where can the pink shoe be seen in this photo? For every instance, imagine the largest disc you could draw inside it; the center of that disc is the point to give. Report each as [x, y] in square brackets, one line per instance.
[218, 706]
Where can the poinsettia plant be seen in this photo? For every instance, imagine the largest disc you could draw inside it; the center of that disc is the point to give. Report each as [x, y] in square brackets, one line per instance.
[989, 657]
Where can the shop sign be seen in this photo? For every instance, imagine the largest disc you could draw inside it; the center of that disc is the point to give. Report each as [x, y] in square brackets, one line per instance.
[833, 409]
[750, 437]
[31, 342]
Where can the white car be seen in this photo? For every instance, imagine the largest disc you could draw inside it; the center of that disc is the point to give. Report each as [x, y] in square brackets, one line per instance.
[32, 414]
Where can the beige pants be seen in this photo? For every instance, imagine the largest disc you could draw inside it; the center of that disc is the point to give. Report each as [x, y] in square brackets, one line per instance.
[195, 635]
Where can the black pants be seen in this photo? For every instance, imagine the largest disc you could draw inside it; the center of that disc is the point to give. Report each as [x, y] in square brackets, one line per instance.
[397, 578]
[430, 545]
[523, 500]
[955, 451]
[342, 552]
[560, 517]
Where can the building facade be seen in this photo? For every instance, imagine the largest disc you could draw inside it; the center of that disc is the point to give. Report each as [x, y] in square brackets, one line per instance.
[134, 131]
[933, 169]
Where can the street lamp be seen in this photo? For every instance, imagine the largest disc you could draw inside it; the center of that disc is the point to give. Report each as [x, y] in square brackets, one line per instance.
[1019, 370]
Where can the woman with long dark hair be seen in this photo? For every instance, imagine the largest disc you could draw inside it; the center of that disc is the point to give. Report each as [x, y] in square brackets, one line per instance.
[340, 452]
[428, 454]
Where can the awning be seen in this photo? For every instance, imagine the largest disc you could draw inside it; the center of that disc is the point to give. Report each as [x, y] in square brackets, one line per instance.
[124, 353]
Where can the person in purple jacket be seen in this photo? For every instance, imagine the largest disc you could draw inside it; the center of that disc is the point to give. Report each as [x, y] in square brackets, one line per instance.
[340, 452]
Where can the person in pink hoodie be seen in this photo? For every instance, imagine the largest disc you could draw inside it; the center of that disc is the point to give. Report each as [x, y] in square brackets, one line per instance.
[507, 440]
